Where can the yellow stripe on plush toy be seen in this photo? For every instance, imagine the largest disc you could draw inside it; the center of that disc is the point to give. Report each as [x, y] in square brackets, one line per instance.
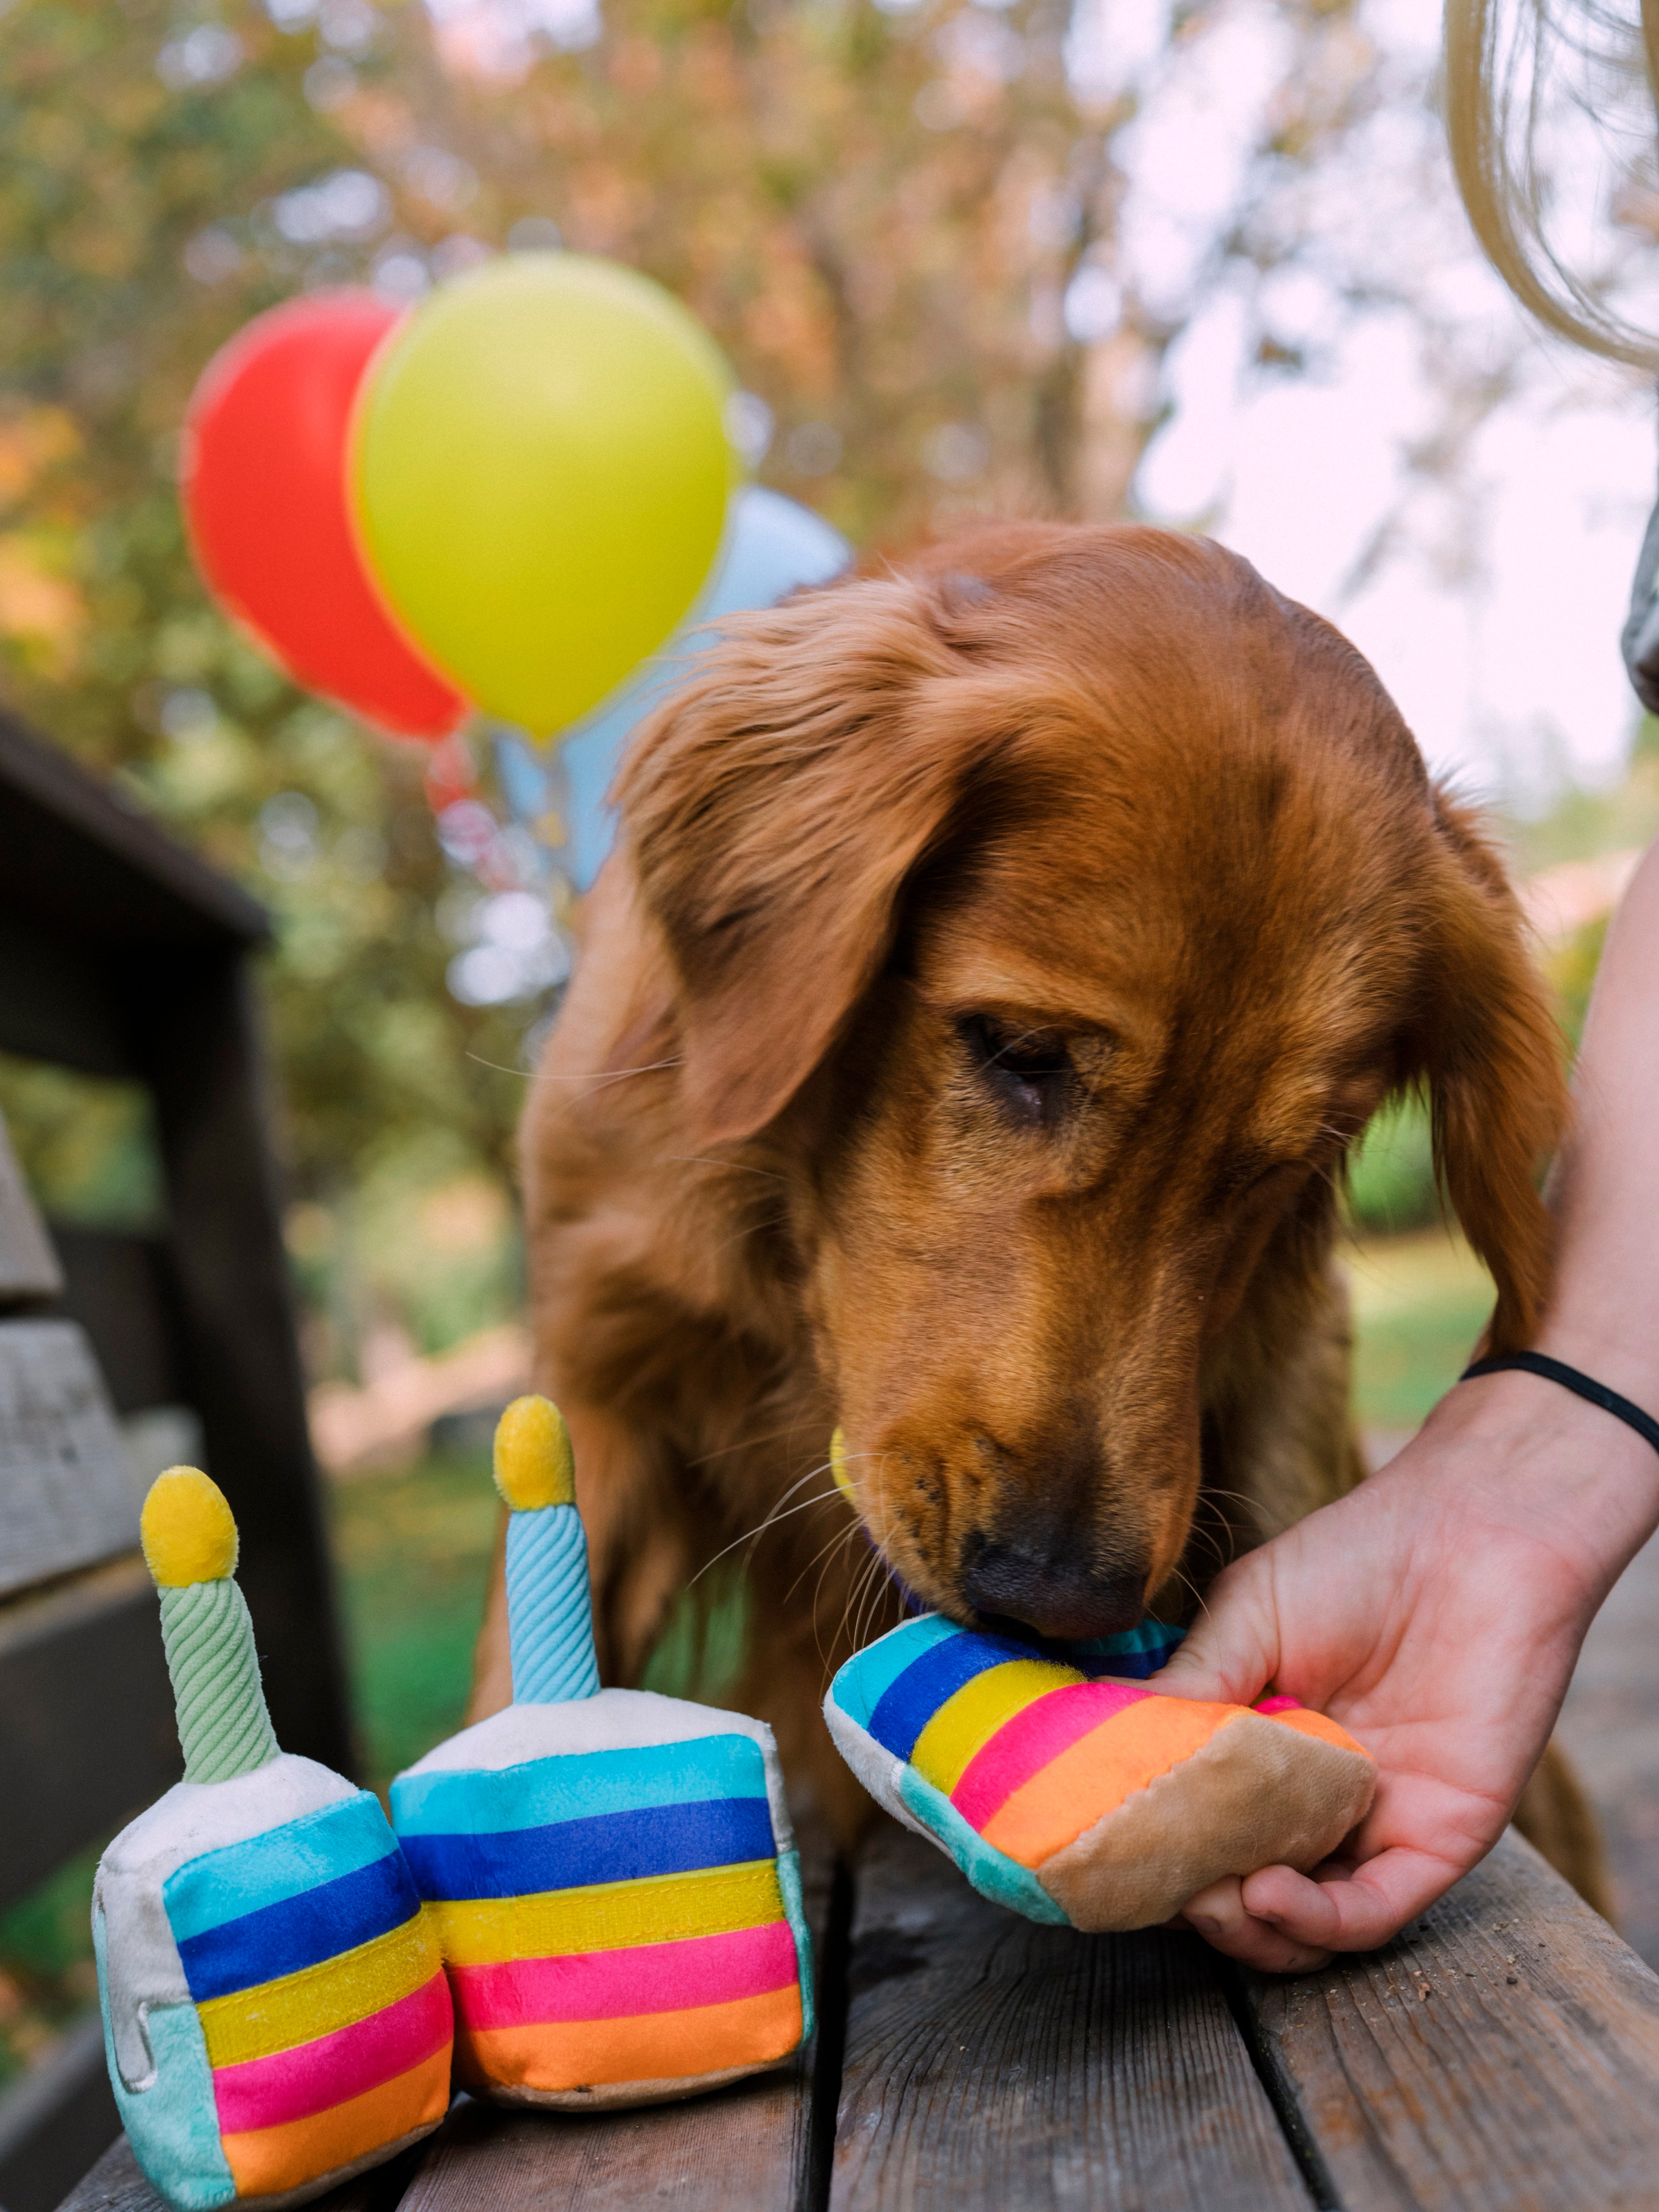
[533, 1462]
[299, 2008]
[969, 1719]
[612, 1916]
[187, 1530]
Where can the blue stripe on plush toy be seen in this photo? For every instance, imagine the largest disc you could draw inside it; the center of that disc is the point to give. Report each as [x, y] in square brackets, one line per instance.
[301, 1931]
[571, 1785]
[242, 1878]
[577, 1854]
[871, 1672]
[908, 1702]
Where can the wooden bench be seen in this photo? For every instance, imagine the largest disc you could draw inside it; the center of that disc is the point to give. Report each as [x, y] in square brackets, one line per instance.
[122, 957]
[1503, 2056]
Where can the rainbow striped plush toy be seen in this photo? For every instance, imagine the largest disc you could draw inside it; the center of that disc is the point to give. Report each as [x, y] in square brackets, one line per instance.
[276, 2015]
[612, 1872]
[1070, 1790]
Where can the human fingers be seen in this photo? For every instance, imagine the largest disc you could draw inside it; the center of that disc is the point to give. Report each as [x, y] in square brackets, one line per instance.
[1219, 1915]
[1348, 1910]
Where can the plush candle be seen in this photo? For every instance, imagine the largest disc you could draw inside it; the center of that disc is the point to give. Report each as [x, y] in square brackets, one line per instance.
[612, 1872]
[276, 2015]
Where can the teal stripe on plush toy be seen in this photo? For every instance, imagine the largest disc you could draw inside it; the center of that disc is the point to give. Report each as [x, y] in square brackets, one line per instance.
[548, 1604]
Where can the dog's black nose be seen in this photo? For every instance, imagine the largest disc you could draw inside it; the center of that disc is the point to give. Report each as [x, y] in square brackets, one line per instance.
[1009, 1583]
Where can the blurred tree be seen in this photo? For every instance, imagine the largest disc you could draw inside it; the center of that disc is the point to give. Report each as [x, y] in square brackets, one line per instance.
[155, 173]
[904, 223]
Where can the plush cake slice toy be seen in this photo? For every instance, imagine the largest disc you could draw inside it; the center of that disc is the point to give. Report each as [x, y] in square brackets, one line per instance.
[612, 1872]
[1068, 1790]
[276, 2015]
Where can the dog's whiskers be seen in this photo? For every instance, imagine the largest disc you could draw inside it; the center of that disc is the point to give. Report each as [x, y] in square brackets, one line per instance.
[616, 1074]
[781, 1512]
[602, 1082]
[739, 1166]
[841, 1536]
[751, 1229]
[524, 1074]
[745, 1443]
[845, 1537]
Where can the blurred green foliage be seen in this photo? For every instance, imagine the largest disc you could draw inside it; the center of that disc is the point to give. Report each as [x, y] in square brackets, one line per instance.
[413, 1552]
[136, 233]
[46, 1974]
[85, 1143]
[1407, 1358]
[1390, 1184]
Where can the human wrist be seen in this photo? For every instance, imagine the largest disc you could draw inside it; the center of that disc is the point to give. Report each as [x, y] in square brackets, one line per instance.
[1550, 1464]
[1605, 1342]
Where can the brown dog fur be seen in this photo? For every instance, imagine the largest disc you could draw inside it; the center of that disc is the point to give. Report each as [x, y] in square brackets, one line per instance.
[1000, 956]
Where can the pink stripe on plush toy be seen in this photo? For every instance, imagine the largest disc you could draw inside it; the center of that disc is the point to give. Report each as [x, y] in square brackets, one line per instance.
[644, 1978]
[1024, 1746]
[1278, 1705]
[312, 2077]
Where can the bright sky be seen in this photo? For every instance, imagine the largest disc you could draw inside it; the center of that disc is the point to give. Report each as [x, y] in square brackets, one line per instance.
[1490, 597]
[1493, 612]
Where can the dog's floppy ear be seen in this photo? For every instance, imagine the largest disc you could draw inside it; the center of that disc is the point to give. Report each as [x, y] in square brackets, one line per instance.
[773, 810]
[1491, 1056]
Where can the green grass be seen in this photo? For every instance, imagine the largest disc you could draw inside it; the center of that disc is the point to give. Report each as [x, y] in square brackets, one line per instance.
[413, 1553]
[1419, 1303]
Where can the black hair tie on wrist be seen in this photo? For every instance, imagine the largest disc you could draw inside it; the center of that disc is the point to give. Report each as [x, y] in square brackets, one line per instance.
[1581, 1386]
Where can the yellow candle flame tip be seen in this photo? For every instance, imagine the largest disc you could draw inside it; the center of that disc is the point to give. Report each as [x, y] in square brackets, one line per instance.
[187, 1530]
[533, 1463]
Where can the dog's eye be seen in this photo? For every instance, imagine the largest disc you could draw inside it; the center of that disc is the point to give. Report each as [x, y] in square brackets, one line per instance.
[1027, 1068]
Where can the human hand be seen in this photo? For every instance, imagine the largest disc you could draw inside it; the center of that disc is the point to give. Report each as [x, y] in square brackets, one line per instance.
[1436, 1613]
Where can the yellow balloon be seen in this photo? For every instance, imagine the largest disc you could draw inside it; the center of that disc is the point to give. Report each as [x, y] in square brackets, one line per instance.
[540, 472]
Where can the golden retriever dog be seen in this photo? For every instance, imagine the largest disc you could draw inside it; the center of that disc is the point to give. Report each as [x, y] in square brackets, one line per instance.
[999, 957]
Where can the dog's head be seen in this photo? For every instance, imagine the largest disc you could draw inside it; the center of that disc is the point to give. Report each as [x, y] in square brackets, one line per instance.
[1063, 908]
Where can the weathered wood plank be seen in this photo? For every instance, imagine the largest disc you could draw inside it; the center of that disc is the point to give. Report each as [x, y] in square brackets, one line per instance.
[749, 2149]
[737, 2151]
[28, 1266]
[86, 1731]
[992, 2064]
[115, 2184]
[119, 1289]
[61, 1002]
[1503, 2056]
[81, 852]
[67, 1492]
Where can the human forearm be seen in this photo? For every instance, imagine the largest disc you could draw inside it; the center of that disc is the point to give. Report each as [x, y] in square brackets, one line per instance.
[1603, 1314]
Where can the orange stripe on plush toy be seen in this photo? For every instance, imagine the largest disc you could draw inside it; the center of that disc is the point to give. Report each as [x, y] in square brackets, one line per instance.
[267, 2161]
[968, 1720]
[1103, 1768]
[669, 2046]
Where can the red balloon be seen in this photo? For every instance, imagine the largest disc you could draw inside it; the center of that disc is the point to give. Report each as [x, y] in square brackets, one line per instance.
[262, 481]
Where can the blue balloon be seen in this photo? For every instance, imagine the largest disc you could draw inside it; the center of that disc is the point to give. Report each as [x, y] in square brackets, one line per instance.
[773, 547]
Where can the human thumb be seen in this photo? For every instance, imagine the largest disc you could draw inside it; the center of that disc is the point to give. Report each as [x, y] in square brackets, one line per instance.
[1231, 1651]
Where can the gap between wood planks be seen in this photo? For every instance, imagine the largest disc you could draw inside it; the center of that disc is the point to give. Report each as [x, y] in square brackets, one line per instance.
[1280, 2093]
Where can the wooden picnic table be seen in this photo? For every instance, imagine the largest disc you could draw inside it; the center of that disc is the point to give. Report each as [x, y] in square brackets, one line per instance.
[1503, 2055]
